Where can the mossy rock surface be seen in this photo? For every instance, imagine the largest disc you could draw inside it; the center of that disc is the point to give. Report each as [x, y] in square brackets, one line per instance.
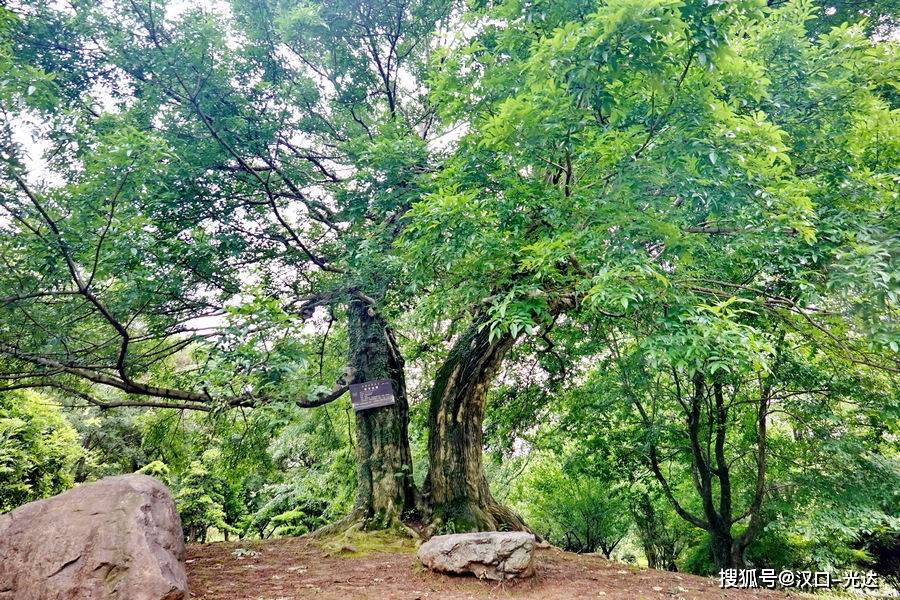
[353, 543]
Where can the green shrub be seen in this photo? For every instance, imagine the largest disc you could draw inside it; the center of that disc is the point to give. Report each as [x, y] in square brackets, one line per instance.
[575, 511]
[774, 549]
[699, 560]
[38, 449]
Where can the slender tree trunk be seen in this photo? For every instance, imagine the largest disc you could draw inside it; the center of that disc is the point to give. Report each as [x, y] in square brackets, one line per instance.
[705, 468]
[456, 488]
[385, 489]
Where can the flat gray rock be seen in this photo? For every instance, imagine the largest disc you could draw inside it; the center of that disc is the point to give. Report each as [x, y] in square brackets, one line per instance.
[119, 538]
[496, 555]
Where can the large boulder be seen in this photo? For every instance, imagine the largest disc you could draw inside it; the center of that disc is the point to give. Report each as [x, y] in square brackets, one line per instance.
[119, 538]
[494, 555]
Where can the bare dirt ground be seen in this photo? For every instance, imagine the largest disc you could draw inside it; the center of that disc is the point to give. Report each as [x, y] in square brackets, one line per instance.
[299, 568]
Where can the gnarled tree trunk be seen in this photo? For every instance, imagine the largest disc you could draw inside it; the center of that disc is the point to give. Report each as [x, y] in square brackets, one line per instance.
[456, 489]
[385, 489]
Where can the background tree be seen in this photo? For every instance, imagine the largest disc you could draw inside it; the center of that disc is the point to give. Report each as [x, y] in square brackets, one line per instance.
[200, 498]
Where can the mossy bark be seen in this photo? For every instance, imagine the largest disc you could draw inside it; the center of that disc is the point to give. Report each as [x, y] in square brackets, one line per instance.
[385, 489]
[456, 489]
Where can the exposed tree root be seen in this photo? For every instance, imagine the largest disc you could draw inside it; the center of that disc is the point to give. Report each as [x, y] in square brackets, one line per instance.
[357, 521]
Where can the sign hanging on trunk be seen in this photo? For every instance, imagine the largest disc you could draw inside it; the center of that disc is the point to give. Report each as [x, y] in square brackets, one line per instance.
[371, 394]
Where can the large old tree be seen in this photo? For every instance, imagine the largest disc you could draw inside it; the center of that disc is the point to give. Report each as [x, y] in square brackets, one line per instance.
[215, 180]
[683, 174]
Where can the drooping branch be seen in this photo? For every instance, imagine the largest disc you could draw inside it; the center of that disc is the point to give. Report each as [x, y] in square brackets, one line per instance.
[190, 400]
[122, 379]
[664, 482]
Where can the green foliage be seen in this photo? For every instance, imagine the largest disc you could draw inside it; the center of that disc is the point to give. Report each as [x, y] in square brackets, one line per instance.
[113, 439]
[574, 511]
[699, 560]
[694, 190]
[777, 550]
[38, 449]
[157, 469]
[308, 492]
[663, 536]
[202, 498]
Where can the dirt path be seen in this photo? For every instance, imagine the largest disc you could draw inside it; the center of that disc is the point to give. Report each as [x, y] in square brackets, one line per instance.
[297, 568]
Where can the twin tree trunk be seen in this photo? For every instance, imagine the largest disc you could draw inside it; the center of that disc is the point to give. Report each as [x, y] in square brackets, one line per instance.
[456, 488]
[385, 489]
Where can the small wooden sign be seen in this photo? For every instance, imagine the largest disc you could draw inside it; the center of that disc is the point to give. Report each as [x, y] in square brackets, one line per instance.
[371, 394]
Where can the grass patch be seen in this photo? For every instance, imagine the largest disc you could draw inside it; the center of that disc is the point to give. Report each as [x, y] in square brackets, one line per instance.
[354, 543]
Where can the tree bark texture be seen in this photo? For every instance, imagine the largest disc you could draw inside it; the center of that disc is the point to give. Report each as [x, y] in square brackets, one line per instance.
[385, 488]
[456, 488]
